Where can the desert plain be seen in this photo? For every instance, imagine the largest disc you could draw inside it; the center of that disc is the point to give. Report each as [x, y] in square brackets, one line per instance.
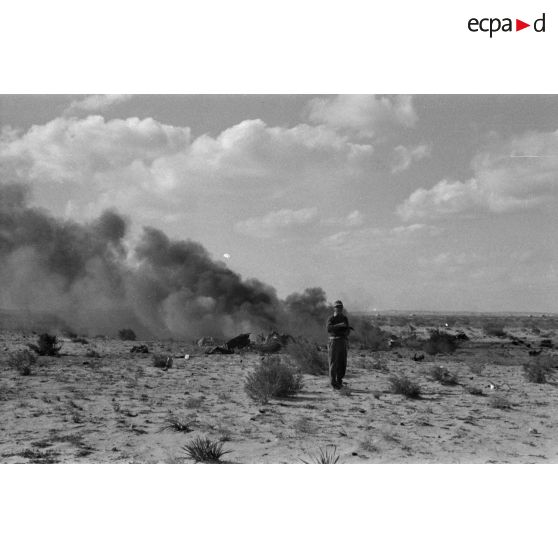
[117, 407]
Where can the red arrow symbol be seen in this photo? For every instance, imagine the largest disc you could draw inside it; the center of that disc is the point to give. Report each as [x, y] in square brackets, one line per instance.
[519, 25]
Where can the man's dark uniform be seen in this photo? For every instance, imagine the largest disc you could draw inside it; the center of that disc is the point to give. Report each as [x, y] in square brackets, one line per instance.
[337, 349]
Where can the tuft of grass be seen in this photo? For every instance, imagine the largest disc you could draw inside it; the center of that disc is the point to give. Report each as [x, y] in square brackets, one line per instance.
[127, 334]
[307, 357]
[162, 361]
[22, 361]
[443, 375]
[404, 386]
[440, 342]
[499, 401]
[178, 424]
[272, 378]
[47, 345]
[540, 370]
[203, 450]
[325, 456]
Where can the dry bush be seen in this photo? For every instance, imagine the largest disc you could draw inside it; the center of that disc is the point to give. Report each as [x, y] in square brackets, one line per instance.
[162, 361]
[494, 329]
[22, 361]
[443, 375]
[272, 378]
[440, 342]
[499, 401]
[404, 386]
[203, 450]
[127, 334]
[178, 424]
[540, 370]
[306, 356]
[46, 345]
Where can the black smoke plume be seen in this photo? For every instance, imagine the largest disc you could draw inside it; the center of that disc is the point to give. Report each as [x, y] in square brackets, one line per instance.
[86, 276]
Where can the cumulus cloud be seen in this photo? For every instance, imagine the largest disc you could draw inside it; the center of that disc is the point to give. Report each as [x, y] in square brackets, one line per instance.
[95, 103]
[403, 156]
[277, 222]
[513, 175]
[140, 164]
[362, 241]
[363, 114]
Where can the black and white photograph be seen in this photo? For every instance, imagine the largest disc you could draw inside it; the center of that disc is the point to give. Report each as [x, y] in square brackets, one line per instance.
[241, 240]
[278, 278]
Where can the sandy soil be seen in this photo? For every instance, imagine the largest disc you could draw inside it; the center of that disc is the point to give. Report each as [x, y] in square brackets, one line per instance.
[114, 409]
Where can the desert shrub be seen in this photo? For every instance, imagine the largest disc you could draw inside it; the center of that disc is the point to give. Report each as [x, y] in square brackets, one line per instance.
[272, 378]
[494, 329]
[539, 370]
[203, 450]
[326, 456]
[499, 401]
[306, 356]
[127, 335]
[443, 375]
[46, 345]
[162, 361]
[404, 386]
[440, 342]
[22, 361]
[178, 424]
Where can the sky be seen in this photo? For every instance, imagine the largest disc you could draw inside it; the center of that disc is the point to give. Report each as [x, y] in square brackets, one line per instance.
[433, 202]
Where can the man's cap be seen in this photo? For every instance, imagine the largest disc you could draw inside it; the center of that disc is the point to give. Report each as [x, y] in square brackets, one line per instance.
[338, 304]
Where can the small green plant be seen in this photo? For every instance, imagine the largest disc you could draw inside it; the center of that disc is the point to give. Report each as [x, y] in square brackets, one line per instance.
[444, 376]
[326, 456]
[162, 361]
[127, 334]
[203, 450]
[404, 386]
[22, 361]
[47, 345]
[272, 378]
[306, 356]
[440, 342]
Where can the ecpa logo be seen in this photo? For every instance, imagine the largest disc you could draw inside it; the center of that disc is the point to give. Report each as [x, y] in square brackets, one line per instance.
[494, 24]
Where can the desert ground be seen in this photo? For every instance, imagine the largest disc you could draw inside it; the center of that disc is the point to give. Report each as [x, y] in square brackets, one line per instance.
[117, 407]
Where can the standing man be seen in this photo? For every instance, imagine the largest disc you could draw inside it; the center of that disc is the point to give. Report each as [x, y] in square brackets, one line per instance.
[338, 330]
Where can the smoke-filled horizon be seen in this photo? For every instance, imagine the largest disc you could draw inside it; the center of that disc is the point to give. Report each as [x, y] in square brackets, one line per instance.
[91, 278]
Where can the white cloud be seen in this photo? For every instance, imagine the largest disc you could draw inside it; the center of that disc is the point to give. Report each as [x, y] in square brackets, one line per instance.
[277, 222]
[95, 103]
[362, 241]
[517, 174]
[149, 167]
[355, 219]
[405, 156]
[363, 114]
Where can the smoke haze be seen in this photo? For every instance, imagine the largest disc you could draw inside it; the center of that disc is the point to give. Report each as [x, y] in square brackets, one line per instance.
[89, 277]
